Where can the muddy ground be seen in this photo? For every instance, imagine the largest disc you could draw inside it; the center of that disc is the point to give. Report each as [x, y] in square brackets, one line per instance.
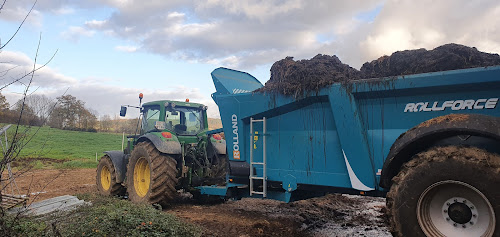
[332, 215]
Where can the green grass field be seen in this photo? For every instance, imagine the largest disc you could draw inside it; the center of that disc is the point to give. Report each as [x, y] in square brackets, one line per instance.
[55, 148]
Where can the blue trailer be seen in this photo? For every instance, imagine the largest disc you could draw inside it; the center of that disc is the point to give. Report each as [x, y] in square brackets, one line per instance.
[429, 142]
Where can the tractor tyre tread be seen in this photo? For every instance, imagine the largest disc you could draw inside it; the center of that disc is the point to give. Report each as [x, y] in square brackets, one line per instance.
[162, 169]
[481, 160]
[116, 189]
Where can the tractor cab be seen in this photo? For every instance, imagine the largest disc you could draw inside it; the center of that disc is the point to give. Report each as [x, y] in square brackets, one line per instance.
[181, 118]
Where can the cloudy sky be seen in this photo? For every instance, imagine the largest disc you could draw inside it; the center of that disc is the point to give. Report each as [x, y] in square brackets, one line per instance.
[110, 50]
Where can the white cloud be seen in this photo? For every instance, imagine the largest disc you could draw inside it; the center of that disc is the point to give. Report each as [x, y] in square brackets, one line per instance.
[75, 32]
[17, 14]
[236, 33]
[64, 11]
[95, 24]
[14, 65]
[249, 33]
[103, 98]
[126, 48]
[410, 25]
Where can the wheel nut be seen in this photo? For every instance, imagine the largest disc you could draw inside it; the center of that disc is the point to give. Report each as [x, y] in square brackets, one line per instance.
[455, 200]
[455, 224]
[445, 211]
[474, 215]
[448, 204]
[471, 207]
[472, 223]
[464, 226]
[465, 201]
[447, 218]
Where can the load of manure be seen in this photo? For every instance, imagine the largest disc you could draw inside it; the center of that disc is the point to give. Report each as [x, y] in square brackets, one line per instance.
[296, 78]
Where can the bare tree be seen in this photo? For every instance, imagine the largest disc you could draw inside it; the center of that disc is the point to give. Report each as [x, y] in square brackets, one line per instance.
[41, 106]
[19, 137]
[106, 123]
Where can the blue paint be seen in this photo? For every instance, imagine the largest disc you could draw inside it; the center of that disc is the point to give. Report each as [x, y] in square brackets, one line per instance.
[307, 138]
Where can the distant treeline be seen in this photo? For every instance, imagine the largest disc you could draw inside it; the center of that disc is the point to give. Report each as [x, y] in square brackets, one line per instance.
[69, 113]
[65, 112]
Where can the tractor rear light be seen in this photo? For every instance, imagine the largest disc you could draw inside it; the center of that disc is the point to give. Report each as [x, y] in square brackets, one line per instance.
[187, 100]
[217, 137]
[166, 134]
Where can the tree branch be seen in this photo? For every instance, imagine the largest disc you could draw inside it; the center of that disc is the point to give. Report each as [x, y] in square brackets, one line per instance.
[18, 28]
[29, 73]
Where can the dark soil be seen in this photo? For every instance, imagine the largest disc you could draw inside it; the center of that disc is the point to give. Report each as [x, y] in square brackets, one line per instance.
[257, 217]
[299, 78]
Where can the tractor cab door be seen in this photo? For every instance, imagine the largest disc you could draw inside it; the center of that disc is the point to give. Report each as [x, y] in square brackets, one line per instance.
[150, 116]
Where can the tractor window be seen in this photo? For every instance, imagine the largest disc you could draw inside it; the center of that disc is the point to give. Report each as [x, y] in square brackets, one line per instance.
[184, 120]
[172, 118]
[151, 115]
[193, 121]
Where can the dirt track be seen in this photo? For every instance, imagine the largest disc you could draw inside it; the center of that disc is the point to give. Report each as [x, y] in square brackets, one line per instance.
[332, 215]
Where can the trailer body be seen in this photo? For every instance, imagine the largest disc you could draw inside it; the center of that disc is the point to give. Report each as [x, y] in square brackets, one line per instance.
[341, 137]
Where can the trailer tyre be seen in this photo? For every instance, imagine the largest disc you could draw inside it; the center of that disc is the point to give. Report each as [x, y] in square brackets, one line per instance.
[106, 178]
[447, 191]
[151, 175]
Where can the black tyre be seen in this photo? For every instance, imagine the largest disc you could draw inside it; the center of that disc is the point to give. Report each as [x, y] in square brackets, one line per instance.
[447, 191]
[151, 175]
[106, 178]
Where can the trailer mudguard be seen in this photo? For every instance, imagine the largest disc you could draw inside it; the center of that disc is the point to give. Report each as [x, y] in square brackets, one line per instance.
[437, 132]
[120, 161]
[167, 147]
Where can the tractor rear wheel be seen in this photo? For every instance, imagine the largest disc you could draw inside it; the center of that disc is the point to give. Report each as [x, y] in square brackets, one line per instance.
[151, 175]
[447, 191]
[106, 178]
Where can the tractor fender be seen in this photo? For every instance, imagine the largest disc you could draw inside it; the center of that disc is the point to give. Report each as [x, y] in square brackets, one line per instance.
[437, 132]
[168, 147]
[120, 161]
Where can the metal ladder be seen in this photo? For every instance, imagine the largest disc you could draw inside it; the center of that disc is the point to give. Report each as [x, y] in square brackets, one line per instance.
[263, 163]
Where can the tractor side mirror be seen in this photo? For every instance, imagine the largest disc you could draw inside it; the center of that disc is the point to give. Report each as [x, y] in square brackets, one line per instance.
[123, 111]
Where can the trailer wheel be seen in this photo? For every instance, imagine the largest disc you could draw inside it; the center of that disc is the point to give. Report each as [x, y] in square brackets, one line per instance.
[151, 175]
[447, 191]
[106, 178]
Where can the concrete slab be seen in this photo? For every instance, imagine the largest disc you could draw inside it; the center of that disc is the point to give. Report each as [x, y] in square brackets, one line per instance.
[61, 203]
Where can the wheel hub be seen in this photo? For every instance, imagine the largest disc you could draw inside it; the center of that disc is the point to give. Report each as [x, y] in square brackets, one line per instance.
[141, 177]
[454, 208]
[459, 212]
[105, 178]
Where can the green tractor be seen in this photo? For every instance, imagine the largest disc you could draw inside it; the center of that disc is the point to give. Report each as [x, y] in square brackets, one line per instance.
[174, 150]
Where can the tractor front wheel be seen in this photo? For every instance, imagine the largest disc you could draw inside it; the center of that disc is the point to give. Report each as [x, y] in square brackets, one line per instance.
[106, 178]
[151, 175]
[447, 191]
